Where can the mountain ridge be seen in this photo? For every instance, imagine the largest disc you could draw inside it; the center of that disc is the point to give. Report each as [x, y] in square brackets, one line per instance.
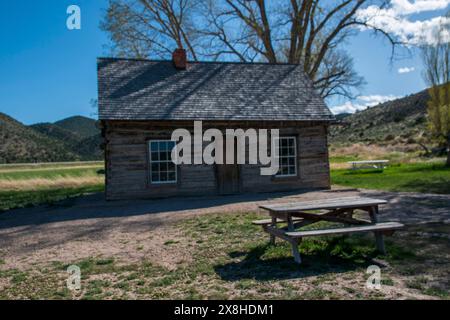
[402, 120]
[70, 139]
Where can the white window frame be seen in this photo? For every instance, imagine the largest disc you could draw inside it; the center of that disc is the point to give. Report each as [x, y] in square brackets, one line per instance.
[159, 161]
[279, 175]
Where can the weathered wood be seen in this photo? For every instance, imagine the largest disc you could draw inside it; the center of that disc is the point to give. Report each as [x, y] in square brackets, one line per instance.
[369, 164]
[273, 221]
[330, 218]
[127, 160]
[368, 228]
[273, 224]
[337, 210]
[373, 213]
[348, 202]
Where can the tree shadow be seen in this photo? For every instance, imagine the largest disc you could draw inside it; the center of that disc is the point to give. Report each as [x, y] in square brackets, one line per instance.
[438, 186]
[316, 262]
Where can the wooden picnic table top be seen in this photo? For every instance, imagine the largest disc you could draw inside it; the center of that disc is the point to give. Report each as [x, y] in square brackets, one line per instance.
[368, 161]
[333, 203]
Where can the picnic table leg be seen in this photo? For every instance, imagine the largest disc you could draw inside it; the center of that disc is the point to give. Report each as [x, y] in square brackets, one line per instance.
[378, 235]
[295, 251]
[294, 242]
[272, 237]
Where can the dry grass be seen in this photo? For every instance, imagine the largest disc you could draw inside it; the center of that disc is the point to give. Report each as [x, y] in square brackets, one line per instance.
[340, 155]
[54, 183]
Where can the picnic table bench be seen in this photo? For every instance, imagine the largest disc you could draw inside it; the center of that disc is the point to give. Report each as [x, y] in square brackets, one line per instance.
[340, 210]
[369, 164]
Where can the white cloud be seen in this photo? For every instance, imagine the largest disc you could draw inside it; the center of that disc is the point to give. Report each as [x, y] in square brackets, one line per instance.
[397, 20]
[361, 103]
[406, 70]
[407, 7]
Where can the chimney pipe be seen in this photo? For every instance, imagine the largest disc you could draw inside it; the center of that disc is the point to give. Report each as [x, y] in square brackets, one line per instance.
[179, 59]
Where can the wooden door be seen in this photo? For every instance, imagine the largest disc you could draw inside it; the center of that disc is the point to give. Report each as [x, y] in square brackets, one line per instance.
[228, 178]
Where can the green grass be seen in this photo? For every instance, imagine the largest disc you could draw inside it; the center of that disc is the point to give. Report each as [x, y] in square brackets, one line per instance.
[49, 173]
[410, 177]
[19, 199]
[36, 184]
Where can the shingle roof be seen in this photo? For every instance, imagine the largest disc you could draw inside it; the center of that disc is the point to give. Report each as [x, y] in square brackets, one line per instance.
[155, 90]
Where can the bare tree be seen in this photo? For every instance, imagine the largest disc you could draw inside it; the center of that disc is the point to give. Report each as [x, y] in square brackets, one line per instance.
[143, 28]
[436, 58]
[307, 32]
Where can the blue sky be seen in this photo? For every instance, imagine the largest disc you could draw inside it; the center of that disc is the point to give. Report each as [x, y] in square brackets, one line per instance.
[48, 72]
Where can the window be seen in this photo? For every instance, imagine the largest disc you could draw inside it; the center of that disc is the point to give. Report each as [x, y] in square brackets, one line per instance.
[287, 156]
[162, 169]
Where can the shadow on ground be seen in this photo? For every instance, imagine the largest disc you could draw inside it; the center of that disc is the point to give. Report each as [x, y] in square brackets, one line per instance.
[438, 186]
[317, 262]
[95, 206]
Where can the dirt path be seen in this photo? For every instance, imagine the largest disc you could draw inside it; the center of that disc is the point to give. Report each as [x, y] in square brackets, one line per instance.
[135, 230]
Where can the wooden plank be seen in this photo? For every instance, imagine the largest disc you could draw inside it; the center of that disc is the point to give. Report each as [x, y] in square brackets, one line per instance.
[269, 221]
[333, 203]
[330, 218]
[369, 228]
[280, 233]
[373, 213]
[368, 161]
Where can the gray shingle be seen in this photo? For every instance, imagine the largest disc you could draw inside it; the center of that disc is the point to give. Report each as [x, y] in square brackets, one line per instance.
[155, 90]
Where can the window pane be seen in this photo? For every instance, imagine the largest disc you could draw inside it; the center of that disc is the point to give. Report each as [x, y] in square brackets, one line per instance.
[287, 159]
[164, 146]
[291, 170]
[291, 142]
[162, 169]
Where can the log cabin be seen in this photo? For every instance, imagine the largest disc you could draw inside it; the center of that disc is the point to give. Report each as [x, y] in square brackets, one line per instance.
[141, 102]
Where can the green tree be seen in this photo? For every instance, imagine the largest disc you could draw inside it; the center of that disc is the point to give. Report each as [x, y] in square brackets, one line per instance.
[436, 58]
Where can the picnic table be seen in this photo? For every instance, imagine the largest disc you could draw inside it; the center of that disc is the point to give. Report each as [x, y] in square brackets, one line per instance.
[340, 210]
[369, 164]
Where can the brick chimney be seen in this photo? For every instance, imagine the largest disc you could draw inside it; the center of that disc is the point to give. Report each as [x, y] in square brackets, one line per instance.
[179, 59]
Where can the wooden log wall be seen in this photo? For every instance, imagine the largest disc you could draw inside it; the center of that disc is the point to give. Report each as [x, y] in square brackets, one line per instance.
[127, 160]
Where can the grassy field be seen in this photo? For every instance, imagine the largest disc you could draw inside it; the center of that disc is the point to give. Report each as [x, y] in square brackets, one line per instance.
[30, 184]
[229, 258]
[415, 177]
[25, 185]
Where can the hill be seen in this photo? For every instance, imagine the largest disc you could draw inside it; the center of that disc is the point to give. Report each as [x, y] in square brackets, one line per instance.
[398, 121]
[77, 138]
[20, 143]
[82, 126]
[71, 139]
[57, 132]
